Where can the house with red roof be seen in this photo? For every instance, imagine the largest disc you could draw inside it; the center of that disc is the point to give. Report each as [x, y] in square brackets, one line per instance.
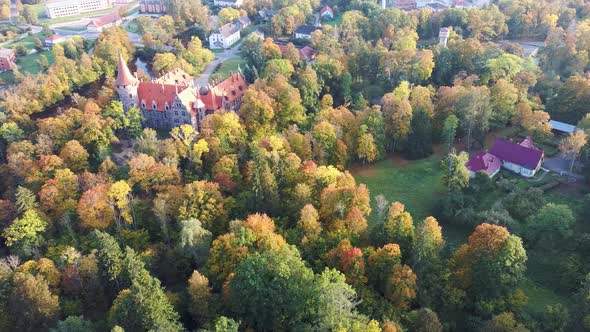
[327, 13]
[483, 162]
[523, 158]
[98, 24]
[173, 100]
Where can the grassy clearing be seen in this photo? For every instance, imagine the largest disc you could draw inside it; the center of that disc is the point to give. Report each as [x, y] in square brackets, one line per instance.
[334, 22]
[27, 42]
[416, 184]
[26, 64]
[222, 72]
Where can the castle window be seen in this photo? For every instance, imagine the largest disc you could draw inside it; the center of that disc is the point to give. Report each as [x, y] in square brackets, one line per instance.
[166, 107]
[175, 112]
[154, 107]
[142, 104]
[130, 96]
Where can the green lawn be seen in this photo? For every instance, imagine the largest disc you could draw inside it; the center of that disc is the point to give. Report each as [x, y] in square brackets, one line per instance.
[336, 21]
[416, 184]
[28, 42]
[222, 72]
[27, 64]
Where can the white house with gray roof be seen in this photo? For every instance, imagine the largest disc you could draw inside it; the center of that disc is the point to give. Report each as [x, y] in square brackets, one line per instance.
[228, 34]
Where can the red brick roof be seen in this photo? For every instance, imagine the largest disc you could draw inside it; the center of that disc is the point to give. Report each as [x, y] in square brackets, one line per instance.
[105, 19]
[307, 53]
[149, 92]
[232, 88]
[326, 9]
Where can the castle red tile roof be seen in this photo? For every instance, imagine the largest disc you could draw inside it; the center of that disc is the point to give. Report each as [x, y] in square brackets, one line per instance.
[232, 88]
[161, 94]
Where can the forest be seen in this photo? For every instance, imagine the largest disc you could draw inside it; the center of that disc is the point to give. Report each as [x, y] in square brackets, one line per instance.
[255, 221]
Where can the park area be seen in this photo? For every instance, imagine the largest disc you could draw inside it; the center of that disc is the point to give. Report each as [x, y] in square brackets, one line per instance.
[418, 185]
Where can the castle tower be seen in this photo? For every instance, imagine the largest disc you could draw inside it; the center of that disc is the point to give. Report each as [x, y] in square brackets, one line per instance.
[126, 85]
[443, 36]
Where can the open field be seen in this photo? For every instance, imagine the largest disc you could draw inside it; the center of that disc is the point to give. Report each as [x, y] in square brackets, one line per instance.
[222, 72]
[416, 184]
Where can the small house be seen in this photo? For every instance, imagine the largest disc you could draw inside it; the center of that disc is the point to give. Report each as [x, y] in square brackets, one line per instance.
[327, 13]
[523, 158]
[483, 162]
[307, 54]
[101, 23]
[54, 40]
[305, 31]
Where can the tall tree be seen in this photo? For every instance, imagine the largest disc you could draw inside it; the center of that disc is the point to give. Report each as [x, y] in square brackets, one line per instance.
[572, 145]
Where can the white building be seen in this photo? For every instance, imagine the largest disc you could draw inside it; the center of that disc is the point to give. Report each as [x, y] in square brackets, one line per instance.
[228, 3]
[74, 7]
[225, 36]
[305, 31]
[229, 33]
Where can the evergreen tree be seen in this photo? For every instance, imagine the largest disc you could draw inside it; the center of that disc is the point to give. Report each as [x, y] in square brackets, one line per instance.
[420, 139]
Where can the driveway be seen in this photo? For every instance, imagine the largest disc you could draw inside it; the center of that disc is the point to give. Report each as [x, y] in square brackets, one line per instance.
[561, 165]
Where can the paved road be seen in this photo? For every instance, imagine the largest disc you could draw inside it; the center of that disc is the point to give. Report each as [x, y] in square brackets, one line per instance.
[232, 53]
[561, 165]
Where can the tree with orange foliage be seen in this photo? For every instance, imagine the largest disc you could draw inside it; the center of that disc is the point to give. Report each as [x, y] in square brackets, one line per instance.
[380, 263]
[400, 287]
[490, 265]
[94, 209]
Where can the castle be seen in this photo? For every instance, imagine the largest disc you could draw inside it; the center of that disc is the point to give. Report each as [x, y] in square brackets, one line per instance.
[173, 99]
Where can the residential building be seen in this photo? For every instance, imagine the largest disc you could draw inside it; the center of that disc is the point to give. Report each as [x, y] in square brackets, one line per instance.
[523, 158]
[54, 40]
[327, 13]
[258, 33]
[483, 162]
[172, 100]
[307, 54]
[228, 34]
[228, 3]
[152, 6]
[101, 23]
[7, 59]
[305, 31]
[64, 8]
[267, 14]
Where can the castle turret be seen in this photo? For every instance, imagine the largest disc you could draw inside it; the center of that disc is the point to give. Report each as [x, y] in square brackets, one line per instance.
[126, 85]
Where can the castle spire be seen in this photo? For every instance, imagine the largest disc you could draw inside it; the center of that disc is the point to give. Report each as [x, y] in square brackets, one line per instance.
[124, 76]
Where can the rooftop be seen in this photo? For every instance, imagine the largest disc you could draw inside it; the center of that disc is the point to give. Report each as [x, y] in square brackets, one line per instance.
[307, 29]
[6, 52]
[105, 19]
[520, 154]
[562, 126]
